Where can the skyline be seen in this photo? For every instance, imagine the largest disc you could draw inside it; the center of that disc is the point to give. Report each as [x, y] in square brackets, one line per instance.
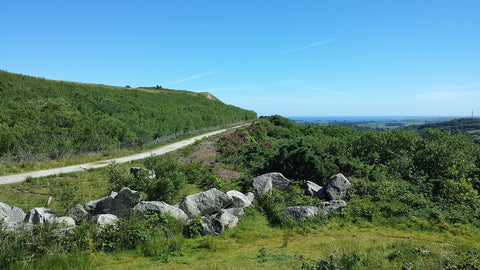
[308, 58]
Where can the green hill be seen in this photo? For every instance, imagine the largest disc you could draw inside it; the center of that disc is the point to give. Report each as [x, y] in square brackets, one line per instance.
[46, 116]
[468, 126]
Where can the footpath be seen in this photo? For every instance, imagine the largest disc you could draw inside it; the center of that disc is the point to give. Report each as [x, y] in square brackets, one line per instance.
[15, 178]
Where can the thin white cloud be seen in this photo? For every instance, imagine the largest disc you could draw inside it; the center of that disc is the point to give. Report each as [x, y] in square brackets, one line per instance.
[310, 46]
[449, 96]
[193, 77]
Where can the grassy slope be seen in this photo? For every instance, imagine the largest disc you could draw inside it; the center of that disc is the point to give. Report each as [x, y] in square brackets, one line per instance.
[45, 116]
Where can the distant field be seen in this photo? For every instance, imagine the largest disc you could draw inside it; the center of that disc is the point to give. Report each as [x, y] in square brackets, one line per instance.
[378, 122]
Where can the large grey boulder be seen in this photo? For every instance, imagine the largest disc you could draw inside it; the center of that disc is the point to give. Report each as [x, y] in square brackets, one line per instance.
[66, 222]
[11, 217]
[40, 215]
[265, 182]
[311, 188]
[239, 200]
[314, 190]
[205, 203]
[337, 187]
[119, 204]
[161, 208]
[328, 207]
[234, 211]
[77, 212]
[106, 220]
[211, 226]
[91, 206]
[299, 213]
[228, 219]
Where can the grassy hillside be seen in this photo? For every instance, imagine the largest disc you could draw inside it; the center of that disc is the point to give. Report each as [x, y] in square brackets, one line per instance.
[468, 126]
[45, 116]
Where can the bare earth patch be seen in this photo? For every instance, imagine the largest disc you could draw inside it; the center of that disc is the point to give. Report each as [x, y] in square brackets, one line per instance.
[207, 153]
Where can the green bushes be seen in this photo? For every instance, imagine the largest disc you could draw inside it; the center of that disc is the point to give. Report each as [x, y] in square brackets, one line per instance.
[393, 173]
[164, 185]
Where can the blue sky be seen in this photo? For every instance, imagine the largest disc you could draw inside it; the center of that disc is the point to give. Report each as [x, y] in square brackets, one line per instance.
[321, 57]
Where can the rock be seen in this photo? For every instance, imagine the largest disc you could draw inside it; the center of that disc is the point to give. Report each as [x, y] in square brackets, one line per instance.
[328, 207]
[106, 219]
[299, 213]
[161, 208]
[92, 205]
[250, 196]
[205, 203]
[211, 226]
[321, 194]
[77, 212]
[135, 170]
[66, 222]
[264, 183]
[234, 211]
[239, 200]
[337, 187]
[119, 204]
[40, 215]
[311, 189]
[228, 219]
[11, 217]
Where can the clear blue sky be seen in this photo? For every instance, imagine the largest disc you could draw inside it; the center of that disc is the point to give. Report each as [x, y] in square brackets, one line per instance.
[320, 57]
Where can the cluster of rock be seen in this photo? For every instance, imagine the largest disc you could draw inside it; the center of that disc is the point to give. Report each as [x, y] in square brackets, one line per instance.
[215, 209]
[335, 190]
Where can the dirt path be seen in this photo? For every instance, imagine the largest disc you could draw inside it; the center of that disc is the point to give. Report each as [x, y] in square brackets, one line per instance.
[15, 178]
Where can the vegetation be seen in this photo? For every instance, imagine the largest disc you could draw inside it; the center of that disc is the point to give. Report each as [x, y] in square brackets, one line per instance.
[470, 127]
[39, 116]
[413, 204]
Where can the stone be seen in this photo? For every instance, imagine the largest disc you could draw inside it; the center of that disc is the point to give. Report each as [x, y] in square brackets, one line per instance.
[264, 183]
[119, 204]
[250, 196]
[161, 208]
[205, 203]
[40, 215]
[239, 200]
[312, 188]
[337, 187]
[136, 170]
[106, 220]
[211, 226]
[299, 213]
[328, 207]
[77, 212]
[92, 205]
[11, 217]
[234, 211]
[228, 219]
[66, 222]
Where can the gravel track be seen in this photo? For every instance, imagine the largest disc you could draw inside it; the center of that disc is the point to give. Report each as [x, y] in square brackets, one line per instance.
[16, 178]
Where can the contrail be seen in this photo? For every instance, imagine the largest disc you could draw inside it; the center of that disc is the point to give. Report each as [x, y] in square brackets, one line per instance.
[193, 77]
[310, 46]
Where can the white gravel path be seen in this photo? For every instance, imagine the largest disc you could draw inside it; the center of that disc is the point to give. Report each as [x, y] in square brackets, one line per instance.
[15, 178]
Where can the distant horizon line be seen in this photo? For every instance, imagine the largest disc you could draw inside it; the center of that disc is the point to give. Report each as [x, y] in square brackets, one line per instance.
[371, 117]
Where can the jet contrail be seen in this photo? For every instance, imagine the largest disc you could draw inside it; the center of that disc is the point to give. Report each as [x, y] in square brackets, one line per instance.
[193, 77]
[310, 46]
